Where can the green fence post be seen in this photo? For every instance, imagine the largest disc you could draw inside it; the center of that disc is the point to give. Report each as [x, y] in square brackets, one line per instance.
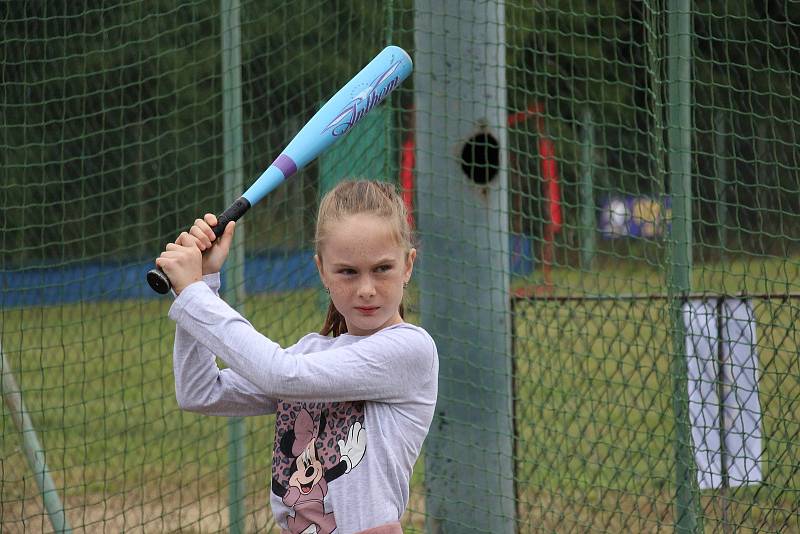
[679, 149]
[390, 148]
[462, 215]
[234, 291]
[721, 176]
[588, 225]
[362, 153]
[33, 450]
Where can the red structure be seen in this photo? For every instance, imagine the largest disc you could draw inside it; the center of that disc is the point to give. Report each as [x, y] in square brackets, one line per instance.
[550, 181]
[551, 188]
[407, 176]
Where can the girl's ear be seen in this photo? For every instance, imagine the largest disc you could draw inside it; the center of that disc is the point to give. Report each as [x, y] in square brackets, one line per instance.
[318, 263]
[410, 257]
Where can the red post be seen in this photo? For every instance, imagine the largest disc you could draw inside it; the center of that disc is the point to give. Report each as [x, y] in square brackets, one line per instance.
[407, 176]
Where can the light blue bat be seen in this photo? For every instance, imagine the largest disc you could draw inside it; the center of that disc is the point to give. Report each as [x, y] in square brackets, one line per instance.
[338, 116]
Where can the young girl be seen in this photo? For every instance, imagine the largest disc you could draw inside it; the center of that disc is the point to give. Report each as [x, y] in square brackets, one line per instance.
[353, 403]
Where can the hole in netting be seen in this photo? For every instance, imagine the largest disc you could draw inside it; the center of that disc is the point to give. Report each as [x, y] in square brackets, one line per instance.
[480, 158]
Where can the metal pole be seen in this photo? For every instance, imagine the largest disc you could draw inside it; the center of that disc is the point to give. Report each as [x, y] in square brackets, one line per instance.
[721, 176]
[588, 230]
[234, 292]
[389, 156]
[461, 117]
[679, 147]
[33, 450]
[721, 395]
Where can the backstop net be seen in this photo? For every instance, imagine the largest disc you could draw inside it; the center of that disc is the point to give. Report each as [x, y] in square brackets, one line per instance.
[606, 200]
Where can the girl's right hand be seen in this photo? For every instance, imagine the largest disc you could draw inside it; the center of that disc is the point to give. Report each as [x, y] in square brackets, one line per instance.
[214, 250]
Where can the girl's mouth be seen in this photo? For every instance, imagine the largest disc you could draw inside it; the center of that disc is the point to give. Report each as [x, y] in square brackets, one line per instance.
[367, 310]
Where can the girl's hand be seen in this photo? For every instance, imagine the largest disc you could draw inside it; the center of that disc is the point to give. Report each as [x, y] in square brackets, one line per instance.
[182, 262]
[214, 250]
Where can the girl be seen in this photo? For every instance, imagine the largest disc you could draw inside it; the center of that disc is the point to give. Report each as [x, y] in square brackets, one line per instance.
[353, 403]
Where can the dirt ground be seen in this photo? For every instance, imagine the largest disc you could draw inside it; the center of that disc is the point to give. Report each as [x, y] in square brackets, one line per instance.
[181, 510]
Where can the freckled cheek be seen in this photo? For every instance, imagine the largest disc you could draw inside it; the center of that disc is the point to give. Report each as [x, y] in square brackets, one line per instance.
[340, 284]
[392, 289]
[342, 290]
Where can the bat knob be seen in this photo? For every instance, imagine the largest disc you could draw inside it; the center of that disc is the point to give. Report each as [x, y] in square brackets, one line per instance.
[158, 281]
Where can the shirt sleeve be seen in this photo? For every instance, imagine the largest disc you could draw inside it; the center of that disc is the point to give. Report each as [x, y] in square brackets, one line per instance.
[200, 386]
[389, 366]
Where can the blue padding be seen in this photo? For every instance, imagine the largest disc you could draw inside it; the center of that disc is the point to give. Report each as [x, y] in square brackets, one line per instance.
[52, 284]
[280, 272]
[521, 251]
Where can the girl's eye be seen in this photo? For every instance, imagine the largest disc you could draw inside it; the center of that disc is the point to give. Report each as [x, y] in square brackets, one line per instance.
[384, 268]
[347, 271]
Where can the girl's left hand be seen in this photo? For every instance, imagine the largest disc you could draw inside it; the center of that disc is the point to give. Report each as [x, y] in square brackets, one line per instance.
[182, 262]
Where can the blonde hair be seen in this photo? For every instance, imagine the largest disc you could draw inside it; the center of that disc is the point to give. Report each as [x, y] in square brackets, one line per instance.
[354, 197]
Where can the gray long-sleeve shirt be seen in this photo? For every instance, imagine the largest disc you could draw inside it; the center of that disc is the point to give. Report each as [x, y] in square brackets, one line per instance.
[351, 411]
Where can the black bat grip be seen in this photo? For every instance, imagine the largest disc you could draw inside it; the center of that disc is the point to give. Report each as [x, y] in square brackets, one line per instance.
[158, 280]
[234, 211]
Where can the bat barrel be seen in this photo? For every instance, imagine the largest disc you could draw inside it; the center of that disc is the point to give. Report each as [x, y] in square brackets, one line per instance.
[281, 168]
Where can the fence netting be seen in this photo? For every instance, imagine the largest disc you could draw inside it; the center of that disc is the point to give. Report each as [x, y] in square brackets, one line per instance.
[647, 168]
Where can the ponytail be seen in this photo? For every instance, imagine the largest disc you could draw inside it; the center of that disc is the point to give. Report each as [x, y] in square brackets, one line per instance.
[334, 322]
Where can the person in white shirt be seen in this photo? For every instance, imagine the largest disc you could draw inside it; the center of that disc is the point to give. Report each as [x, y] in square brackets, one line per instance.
[354, 402]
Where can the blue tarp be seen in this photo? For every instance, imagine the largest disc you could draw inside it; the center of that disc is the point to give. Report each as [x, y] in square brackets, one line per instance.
[58, 283]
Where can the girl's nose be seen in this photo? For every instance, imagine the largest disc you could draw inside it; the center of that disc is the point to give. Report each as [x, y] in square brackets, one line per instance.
[366, 288]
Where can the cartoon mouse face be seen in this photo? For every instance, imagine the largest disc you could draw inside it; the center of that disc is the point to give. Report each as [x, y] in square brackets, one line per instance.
[301, 455]
[307, 470]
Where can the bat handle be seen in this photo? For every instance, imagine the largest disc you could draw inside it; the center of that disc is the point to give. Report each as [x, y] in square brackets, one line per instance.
[159, 281]
[234, 211]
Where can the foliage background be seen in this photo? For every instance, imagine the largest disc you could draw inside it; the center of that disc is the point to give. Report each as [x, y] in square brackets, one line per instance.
[112, 116]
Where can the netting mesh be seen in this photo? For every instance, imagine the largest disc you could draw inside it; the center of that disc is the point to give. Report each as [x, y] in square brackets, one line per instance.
[642, 337]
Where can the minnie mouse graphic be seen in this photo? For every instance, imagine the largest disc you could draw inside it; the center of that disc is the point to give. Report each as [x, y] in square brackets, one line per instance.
[308, 479]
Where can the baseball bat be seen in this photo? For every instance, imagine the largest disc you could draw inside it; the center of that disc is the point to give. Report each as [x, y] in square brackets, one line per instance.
[336, 118]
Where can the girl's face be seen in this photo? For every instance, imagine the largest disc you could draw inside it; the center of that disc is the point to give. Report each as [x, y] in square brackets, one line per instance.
[364, 268]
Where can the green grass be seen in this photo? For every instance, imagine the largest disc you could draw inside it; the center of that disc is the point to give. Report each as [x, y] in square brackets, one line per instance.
[97, 382]
[594, 404]
[625, 275]
[593, 408]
